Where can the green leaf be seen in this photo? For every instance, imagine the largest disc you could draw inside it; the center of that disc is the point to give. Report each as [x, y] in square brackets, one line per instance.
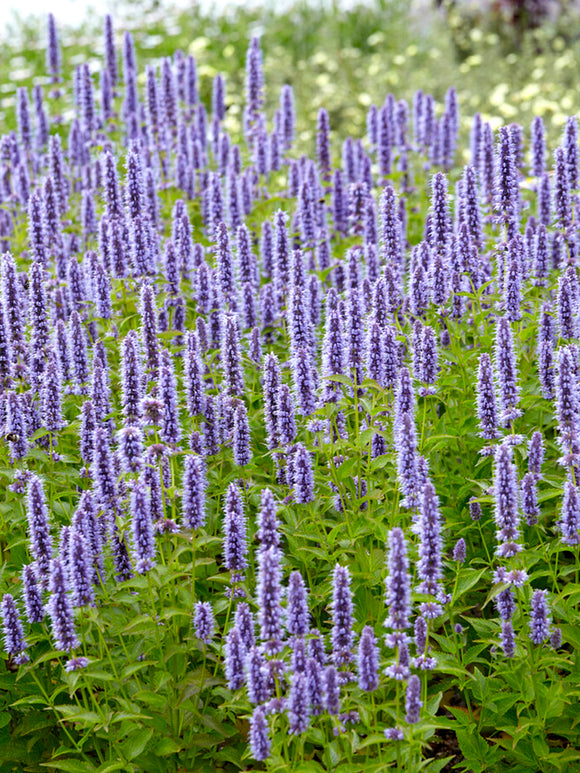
[74, 714]
[571, 634]
[473, 747]
[467, 579]
[136, 742]
[167, 746]
[109, 767]
[70, 765]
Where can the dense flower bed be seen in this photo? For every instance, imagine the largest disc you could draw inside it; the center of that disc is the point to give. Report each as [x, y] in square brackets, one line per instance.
[290, 445]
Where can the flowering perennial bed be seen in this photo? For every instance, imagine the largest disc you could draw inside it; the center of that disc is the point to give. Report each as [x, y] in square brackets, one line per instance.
[291, 445]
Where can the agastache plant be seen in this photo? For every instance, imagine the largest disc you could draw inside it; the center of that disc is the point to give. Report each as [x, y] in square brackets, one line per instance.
[242, 345]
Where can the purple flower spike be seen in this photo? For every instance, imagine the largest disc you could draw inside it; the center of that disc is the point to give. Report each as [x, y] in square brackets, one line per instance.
[506, 184]
[14, 642]
[486, 399]
[303, 478]
[38, 528]
[235, 655]
[203, 621]
[439, 210]
[170, 428]
[297, 614]
[429, 569]
[539, 617]
[268, 522]
[323, 144]
[368, 660]
[508, 643]
[506, 503]
[131, 377]
[413, 701]
[333, 356]
[507, 374]
[259, 736]
[536, 454]
[398, 582]
[474, 510]
[298, 705]
[231, 355]
[567, 304]
[60, 609]
[244, 622]
[331, 691]
[562, 198]
[459, 551]
[529, 498]
[81, 570]
[235, 537]
[288, 118]
[568, 400]
[193, 508]
[313, 673]
[286, 421]
[254, 84]
[110, 52]
[51, 397]
[16, 426]
[142, 528]
[193, 369]
[149, 338]
[407, 471]
[256, 676]
[538, 147]
[241, 440]
[269, 595]
[342, 633]
[53, 58]
[569, 522]
[32, 597]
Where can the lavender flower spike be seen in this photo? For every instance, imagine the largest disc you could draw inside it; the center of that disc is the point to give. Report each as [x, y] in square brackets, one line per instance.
[342, 633]
[486, 399]
[143, 539]
[259, 735]
[81, 571]
[506, 502]
[241, 441]
[507, 375]
[429, 569]
[32, 597]
[407, 459]
[297, 614]
[298, 705]
[269, 595]
[569, 522]
[398, 582]
[540, 618]
[14, 642]
[413, 701]
[303, 478]
[203, 621]
[235, 653]
[170, 429]
[60, 609]
[193, 506]
[38, 526]
[368, 657]
[235, 538]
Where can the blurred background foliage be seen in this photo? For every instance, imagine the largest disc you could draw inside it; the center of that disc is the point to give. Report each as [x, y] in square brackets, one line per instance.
[509, 59]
